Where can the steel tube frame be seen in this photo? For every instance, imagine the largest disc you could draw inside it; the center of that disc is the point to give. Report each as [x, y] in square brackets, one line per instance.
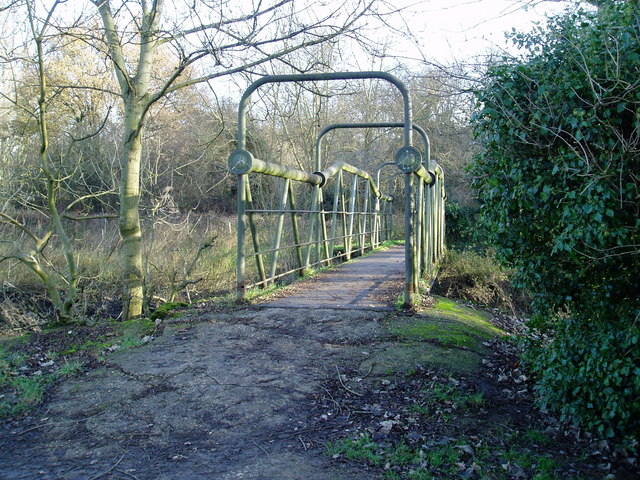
[405, 159]
[416, 263]
[337, 126]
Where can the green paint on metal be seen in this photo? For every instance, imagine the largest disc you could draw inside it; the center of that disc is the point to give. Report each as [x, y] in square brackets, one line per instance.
[367, 210]
[408, 159]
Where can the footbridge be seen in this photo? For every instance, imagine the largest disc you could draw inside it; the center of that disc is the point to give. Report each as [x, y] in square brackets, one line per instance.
[291, 220]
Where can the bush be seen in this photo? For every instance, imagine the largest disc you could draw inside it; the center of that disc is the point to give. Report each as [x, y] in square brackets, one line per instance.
[589, 371]
[558, 179]
[463, 226]
[478, 278]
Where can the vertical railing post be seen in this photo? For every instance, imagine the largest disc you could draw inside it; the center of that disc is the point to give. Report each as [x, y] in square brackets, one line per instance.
[425, 241]
[240, 265]
[377, 224]
[409, 255]
[363, 219]
[296, 231]
[323, 229]
[428, 248]
[390, 221]
[334, 215]
[418, 230]
[345, 213]
[279, 225]
[442, 218]
[312, 221]
[352, 214]
[254, 231]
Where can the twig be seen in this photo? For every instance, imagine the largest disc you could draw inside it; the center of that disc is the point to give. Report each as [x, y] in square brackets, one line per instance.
[345, 387]
[260, 447]
[333, 400]
[304, 445]
[128, 474]
[109, 470]
[17, 434]
[370, 370]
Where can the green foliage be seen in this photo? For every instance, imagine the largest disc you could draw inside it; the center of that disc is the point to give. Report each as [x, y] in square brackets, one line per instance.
[558, 181]
[463, 227]
[591, 372]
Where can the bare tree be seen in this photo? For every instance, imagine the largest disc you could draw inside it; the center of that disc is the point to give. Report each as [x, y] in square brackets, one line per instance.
[61, 286]
[221, 39]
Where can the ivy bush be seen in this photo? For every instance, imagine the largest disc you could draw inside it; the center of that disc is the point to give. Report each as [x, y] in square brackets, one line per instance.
[558, 178]
[463, 229]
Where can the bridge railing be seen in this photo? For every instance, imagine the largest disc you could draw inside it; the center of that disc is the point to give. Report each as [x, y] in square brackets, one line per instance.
[427, 200]
[360, 218]
[424, 209]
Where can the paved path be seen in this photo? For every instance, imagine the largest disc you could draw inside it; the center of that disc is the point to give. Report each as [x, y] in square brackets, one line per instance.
[371, 282]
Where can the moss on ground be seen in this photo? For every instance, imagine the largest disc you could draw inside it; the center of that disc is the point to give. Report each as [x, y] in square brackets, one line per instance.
[448, 323]
[446, 334]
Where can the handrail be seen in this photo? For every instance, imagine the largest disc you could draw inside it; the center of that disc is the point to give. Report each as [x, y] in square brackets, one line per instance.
[328, 173]
[241, 161]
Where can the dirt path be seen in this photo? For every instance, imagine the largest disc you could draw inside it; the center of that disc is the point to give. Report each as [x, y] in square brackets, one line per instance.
[217, 396]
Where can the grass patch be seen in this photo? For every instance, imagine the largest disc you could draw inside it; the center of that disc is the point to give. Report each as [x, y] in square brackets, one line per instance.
[132, 332]
[20, 392]
[488, 458]
[439, 399]
[400, 461]
[361, 449]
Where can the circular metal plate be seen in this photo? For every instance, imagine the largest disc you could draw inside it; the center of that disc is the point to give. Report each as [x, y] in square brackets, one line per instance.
[240, 161]
[408, 159]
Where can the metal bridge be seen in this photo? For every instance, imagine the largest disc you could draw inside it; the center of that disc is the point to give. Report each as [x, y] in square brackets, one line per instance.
[344, 210]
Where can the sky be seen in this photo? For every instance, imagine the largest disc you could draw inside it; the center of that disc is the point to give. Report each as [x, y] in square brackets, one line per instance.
[455, 30]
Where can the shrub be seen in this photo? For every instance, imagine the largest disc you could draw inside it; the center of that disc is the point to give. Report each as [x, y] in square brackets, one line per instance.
[463, 226]
[558, 179]
[589, 371]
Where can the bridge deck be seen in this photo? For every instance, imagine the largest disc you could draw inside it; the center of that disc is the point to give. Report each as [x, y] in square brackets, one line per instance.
[371, 282]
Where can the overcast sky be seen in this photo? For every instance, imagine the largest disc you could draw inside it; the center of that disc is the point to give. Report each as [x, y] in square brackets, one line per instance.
[450, 30]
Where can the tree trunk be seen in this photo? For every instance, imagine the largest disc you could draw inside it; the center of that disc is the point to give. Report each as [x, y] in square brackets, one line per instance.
[129, 222]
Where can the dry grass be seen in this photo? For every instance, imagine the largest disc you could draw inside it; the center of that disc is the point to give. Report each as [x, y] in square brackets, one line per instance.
[174, 267]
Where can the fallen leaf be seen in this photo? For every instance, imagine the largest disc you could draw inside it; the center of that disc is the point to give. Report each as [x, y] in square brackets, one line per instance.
[465, 449]
[386, 426]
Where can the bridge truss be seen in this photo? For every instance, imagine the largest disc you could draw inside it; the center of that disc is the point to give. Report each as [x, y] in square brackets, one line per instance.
[347, 214]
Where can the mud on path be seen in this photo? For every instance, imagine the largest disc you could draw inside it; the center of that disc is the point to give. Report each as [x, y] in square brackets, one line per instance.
[229, 396]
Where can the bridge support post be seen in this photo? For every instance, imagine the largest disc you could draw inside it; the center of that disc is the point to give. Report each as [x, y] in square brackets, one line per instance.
[409, 252]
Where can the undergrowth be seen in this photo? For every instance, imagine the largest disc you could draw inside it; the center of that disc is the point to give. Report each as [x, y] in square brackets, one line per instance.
[478, 278]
